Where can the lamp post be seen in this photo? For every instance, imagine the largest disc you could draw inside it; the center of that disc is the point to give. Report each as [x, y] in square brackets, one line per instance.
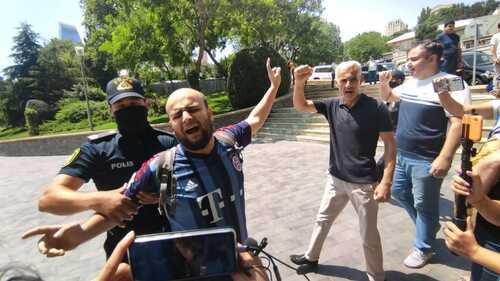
[80, 52]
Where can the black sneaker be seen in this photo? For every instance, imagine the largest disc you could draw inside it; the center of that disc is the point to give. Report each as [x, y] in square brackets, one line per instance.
[302, 260]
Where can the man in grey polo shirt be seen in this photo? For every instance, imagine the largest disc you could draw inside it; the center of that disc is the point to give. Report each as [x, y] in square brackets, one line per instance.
[356, 122]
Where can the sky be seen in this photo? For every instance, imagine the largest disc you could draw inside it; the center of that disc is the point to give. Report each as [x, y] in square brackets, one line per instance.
[352, 16]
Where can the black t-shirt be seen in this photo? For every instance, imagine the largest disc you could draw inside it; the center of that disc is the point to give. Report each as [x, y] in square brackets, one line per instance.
[110, 160]
[354, 134]
[489, 230]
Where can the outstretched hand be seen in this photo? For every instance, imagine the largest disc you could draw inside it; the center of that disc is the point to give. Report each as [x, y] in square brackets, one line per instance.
[274, 74]
[56, 239]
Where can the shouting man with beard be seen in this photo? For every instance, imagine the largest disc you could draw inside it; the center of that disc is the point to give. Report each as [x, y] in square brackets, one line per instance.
[109, 159]
[207, 169]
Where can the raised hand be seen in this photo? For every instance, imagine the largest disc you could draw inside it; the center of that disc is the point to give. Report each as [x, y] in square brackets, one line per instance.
[274, 74]
[302, 73]
[385, 77]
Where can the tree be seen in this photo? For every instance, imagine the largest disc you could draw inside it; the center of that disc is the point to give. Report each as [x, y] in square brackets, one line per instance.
[22, 80]
[59, 69]
[24, 52]
[292, 27]
[366, 45]
[97, 15]
[427, 22]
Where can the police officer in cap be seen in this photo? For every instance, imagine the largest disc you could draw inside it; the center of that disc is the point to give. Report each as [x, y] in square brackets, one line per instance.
[109, 159]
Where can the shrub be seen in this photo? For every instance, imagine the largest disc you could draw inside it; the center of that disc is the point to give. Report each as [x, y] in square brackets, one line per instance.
[72, 115]
[248, 80]
[32, 118]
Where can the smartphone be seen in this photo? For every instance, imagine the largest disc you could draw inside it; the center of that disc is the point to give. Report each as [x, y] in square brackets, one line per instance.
[450, 84]
[472, 126]
[183, 255]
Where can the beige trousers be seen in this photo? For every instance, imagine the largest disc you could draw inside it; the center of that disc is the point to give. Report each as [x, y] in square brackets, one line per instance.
[337, 194]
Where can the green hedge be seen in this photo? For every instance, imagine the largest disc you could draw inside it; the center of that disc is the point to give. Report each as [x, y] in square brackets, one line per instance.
[248, 79]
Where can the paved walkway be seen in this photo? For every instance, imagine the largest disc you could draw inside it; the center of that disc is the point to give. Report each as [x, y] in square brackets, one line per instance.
[284, 185]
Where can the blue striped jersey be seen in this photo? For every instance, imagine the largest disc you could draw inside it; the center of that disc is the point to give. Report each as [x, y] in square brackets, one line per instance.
[210, 189]
[422, 121]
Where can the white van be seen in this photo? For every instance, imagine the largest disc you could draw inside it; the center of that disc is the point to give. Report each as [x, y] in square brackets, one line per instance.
[322, 72]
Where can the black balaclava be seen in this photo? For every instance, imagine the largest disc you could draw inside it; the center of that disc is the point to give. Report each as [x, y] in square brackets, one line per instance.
[132, 120]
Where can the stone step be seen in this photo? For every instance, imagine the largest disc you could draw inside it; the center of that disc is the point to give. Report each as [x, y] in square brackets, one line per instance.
[285, 124]
[274, 137]
[296, 131]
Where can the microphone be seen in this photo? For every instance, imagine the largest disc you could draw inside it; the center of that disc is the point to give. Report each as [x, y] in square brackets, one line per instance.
[253, 247]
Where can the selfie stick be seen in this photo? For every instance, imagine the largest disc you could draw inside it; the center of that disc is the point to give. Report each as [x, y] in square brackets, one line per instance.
[460, 217]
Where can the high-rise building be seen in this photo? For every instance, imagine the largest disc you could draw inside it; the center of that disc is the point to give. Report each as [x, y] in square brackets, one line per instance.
[69, 32]
[395, 26]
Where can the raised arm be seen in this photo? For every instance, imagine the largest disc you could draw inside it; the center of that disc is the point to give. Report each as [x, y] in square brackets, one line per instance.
[299, 101]
[261, 111]
[386, 92]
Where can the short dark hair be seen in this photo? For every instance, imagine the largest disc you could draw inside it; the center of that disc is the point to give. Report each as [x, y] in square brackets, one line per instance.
[449, 22]
[432, 48]
[498, 25]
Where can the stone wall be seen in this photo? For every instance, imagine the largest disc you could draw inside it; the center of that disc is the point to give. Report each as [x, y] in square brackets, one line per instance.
[65, 144]
[208, 86]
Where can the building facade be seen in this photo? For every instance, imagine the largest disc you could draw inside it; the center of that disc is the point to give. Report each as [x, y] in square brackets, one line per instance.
[395, 26]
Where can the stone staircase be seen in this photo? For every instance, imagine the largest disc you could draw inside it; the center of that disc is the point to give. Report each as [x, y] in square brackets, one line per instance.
[286, 123]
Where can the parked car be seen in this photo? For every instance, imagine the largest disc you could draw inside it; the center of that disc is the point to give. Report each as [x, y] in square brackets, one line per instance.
[485, 70]
[322, 72]
[380, 67]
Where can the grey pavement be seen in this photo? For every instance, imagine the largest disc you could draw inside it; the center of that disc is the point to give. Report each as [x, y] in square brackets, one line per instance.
[284, 183]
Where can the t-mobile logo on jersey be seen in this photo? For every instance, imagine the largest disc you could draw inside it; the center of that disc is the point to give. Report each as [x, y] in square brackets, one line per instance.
[215, 203]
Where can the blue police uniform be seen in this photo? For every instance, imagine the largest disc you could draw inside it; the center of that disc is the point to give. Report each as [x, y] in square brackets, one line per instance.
[109, 160]
[209, 187]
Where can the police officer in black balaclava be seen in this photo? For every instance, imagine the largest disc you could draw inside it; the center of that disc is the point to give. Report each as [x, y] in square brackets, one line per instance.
[110, 159]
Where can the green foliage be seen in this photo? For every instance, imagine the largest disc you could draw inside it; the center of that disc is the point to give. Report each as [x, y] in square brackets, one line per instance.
[77, 91]
[72, 115]
[156, 104]
[43, 109]
[22, 78]
[287, 26]
[366, 45]
[248, 79]
[219, 103]
[225, 63]
[24, 52]
[59, 69]
[33, 121]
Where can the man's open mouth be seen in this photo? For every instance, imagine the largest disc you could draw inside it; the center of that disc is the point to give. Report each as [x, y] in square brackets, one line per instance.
[192, 130]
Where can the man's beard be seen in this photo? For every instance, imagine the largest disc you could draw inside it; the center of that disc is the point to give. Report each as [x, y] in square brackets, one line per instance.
[206, 134]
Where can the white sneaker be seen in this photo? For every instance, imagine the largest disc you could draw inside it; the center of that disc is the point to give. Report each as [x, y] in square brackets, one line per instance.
[417, 258]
